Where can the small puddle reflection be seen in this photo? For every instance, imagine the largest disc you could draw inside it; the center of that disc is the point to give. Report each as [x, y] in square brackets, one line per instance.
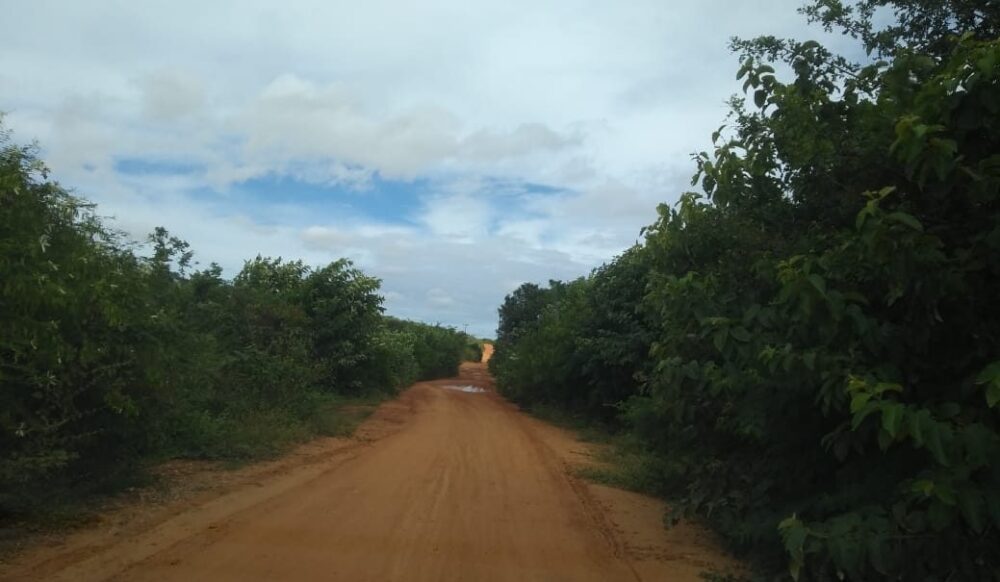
[466, 388]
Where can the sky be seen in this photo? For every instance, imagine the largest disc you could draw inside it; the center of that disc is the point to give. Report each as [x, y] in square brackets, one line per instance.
[453, 149]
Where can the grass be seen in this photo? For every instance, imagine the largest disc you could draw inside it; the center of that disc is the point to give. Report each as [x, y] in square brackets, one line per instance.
[624, 467]
[340, 417]
[240, 436]
[585, 429]
[64, 511]
[622, 462]
[232, 440]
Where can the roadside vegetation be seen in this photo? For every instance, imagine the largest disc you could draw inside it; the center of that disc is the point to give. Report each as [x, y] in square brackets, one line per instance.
[805, 353]
[474, 349]
[115, 354]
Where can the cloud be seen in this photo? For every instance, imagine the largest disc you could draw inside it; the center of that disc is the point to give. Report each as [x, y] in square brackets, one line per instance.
[527, 139]
[169, 95]
[462, 217]
[328, 126]
[294, 119]
[439, 297]
[454, 151]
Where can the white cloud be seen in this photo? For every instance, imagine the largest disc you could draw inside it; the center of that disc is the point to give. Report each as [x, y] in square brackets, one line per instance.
[439, 297]
[527, 139]
[462, 217]
[297, 121]
[169, 95]
[601, 102]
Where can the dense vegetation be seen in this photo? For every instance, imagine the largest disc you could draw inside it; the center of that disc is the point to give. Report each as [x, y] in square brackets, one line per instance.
[473, 351]
[112, 355]
[806, 352]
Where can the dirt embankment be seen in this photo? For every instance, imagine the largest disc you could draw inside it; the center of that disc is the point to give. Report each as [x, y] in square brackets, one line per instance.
[440, 484]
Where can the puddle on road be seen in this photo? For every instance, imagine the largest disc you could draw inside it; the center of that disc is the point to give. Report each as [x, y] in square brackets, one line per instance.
[466, 388]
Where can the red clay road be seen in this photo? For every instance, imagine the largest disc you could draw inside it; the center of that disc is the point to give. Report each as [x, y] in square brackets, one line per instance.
[441, 484]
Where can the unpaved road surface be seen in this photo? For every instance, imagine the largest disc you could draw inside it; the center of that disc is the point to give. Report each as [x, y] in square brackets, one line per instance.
[444, 483]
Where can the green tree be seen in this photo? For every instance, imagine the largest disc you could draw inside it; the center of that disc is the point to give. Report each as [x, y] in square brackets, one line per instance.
[822, 379]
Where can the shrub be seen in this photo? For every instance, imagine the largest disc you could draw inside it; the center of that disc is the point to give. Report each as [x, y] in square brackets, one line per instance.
[809, 345]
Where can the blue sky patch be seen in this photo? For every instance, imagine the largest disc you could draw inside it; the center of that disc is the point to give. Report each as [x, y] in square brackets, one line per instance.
[145, 166]
[385, 201]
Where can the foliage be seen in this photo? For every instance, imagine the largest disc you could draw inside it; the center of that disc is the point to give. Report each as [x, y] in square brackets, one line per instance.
[438, 350]
[577, 345]
[111, 356]
[473, 351]
[74, 336]
[809, 346]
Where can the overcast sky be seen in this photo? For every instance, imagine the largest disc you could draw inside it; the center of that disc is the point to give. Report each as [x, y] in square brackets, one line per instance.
[452, 149]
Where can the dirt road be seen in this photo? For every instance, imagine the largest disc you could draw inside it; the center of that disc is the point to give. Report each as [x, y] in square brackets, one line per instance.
[448, 482]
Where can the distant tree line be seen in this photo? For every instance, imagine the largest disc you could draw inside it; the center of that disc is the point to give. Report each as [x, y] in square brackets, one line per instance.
[112, 356]
[806, 354]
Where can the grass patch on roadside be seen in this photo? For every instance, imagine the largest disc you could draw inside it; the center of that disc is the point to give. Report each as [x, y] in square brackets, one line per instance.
[243, 436]
[626, 467]
[340, 417]
[230, 442]
[65, 512]
[620, 461]
[584, 428]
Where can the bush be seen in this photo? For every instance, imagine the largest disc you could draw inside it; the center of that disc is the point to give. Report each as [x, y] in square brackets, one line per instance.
[473, 351]
[437, 350]
[74, 333]
[809, 346]
[110, 359]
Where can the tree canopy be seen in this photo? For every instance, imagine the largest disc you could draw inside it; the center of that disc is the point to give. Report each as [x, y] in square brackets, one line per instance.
[805, 349]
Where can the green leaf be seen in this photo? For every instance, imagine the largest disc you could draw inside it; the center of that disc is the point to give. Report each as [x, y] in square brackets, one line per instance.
[940, 516]
[862, 413]
[876, 554]
[923, 486]
[990, 373]
[883, 387]
[744, 68]
[993, 394]
[740, 333]
[760, 97]
[818, 283]
[884, 192]
[794, 533]
[859, 221]
[973, 509]
[990, 376]
[892, 417]
[915, 427]
[884, 440]
[905, 219]
[933, 440]
[858, 401]
[719, 339]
